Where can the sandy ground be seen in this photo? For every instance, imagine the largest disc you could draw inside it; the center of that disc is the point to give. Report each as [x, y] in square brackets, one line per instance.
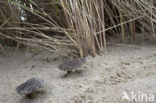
[122, 71]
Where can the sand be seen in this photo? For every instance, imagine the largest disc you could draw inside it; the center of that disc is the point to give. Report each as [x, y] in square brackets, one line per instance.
[123, 70]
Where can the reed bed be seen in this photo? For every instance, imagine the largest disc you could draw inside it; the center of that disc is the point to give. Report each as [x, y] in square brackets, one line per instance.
[76, 27]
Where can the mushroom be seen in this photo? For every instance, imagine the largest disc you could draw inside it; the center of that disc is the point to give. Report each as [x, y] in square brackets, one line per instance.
[31, 86]
[72, 65]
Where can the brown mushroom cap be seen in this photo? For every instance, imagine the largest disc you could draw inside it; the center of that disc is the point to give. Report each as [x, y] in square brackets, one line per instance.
[72, 64]
[31, 85]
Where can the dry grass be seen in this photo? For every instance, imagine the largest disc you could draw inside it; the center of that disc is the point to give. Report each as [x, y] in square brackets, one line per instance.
[86, 18]
[77, 26]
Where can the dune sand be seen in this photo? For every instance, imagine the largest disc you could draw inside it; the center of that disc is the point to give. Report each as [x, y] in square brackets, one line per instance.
[122, 71]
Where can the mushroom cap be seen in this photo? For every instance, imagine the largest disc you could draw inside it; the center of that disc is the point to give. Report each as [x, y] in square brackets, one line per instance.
[72, 64]
[31, 85]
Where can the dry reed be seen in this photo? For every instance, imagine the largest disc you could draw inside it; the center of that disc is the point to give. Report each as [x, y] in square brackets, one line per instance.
[79, 26]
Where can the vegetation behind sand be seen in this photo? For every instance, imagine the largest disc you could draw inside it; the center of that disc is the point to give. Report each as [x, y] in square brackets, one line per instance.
[81, 27]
